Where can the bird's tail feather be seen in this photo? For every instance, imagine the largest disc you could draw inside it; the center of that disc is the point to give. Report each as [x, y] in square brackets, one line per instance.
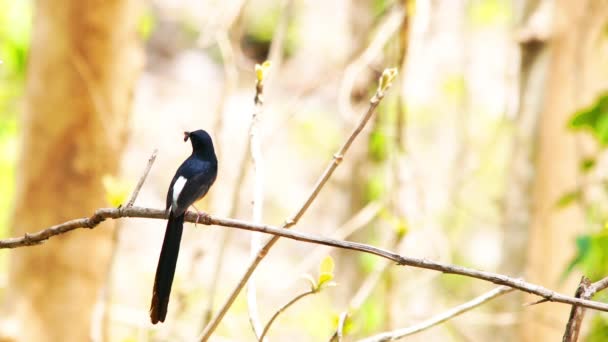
[166, 268]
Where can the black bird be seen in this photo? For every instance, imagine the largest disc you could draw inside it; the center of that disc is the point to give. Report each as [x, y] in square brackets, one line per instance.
[190, 183]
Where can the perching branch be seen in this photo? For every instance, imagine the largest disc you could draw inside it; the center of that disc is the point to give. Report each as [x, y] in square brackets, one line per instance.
[384, 84]
[115, 213]
[433, 321]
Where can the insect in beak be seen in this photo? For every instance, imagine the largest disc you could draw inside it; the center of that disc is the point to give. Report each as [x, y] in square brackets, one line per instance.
[186, 135]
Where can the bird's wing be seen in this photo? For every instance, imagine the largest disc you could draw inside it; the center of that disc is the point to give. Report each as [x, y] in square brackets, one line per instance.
[193, 188]
[170, 192]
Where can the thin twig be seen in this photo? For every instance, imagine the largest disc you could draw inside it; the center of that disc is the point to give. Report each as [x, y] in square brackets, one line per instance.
[257, 202]
[115, 213]
[142, 179]
[337, 336]
[283, 308]
[106, 291]
[598, 286]
[433, 321]
[384, 84]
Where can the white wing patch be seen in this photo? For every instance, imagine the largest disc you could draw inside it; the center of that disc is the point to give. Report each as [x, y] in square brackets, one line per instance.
[177, 189]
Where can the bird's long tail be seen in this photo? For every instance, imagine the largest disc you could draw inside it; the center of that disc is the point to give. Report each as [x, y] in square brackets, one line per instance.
[166, 268]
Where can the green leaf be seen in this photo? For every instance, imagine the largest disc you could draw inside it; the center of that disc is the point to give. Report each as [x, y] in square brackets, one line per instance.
[324, 278]
[594, 118]
[587, 164]
[568, 198]
[583, 246]
[326, 271]
[327, 265]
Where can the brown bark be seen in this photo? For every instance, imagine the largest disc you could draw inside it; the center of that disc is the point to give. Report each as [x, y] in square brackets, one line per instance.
[573, 80]
[83, 63]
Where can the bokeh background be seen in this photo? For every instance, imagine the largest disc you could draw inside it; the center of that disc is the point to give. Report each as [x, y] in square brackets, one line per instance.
[487, 152]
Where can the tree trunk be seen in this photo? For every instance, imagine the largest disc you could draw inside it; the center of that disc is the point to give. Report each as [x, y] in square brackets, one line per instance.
[534, 58]
[82, 68]
[573, 81]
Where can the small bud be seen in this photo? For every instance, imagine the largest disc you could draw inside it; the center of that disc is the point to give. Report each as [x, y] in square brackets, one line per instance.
[326, 271]
[386, 80]
[261, 71]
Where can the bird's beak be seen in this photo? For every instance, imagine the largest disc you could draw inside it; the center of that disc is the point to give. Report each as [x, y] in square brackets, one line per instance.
[186, 135]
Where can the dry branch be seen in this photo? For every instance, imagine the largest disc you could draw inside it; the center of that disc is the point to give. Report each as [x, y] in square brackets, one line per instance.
[585, 290]
[283, 308]
[258, 193]
[115, 213]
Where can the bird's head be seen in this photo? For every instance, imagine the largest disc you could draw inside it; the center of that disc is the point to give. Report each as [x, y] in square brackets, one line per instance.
[201, 143]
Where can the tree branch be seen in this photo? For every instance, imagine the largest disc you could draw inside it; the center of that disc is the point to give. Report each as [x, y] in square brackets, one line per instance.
[433, 321]
[115, 213]
[258, 194]
[283, 308]
[585, 290]
[142, 179]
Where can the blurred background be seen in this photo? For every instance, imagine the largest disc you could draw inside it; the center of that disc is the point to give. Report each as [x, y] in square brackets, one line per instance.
[487, 152]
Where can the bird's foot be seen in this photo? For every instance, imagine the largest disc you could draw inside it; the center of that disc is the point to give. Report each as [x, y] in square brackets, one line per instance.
[199, 215]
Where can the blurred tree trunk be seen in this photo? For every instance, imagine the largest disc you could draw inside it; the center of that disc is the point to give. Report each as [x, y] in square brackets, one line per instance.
[533, 66]
[82, 68]
[573, 81]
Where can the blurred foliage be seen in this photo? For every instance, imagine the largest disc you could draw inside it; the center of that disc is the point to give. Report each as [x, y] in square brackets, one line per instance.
[568, 198]
[455, 87]
[317, 134]
[599, 329]
[259, 30]
[371, 316]
[379, 7]
[146, 24]
[591, 248]
[490, 12]
[399, 224]
[591, 257]
[375, 187]
[368, 262]
[117, 190]
[15, 31]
